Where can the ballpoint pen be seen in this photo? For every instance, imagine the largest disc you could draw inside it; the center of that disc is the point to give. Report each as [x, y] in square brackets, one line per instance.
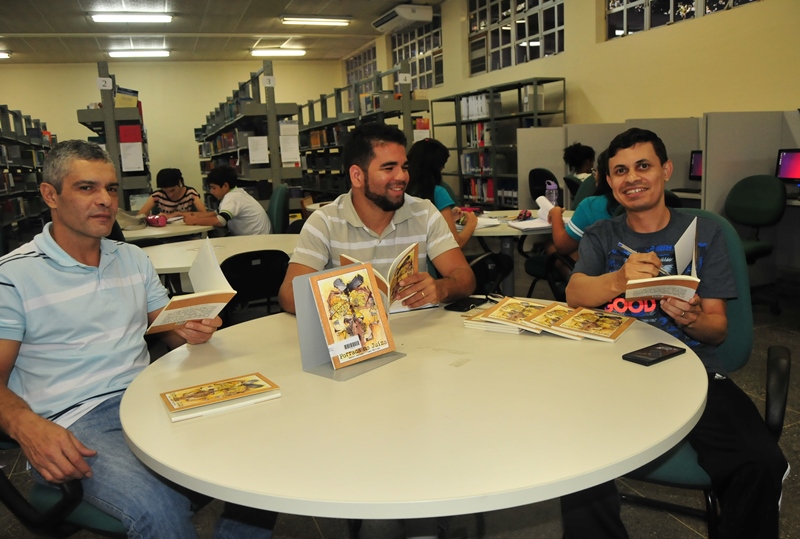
[661, 270]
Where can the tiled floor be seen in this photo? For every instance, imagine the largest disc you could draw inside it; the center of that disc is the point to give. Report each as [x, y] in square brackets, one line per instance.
[543, 519]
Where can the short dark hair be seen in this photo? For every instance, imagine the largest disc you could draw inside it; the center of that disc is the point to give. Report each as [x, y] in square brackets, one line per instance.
[575, 155]
[634, 136]
[56, 165]
[169, 177]
[359, 149]
[222, 175]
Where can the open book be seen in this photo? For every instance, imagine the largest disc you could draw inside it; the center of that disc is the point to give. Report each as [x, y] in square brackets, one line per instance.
[214, 397]
[351, 310]
[683, 287]
[212, 293]
[405, 265]
[541, 219]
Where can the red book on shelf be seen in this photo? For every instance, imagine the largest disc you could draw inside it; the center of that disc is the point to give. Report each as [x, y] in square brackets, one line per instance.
[130, 133]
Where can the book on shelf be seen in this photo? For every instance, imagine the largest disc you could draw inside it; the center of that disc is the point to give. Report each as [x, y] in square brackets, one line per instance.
[218, 396]
[683, 287]
[351, 311]
[212, 293]
[404, 265]
[595, 324]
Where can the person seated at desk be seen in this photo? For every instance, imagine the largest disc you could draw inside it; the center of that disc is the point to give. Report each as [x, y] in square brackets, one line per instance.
[376, 220]
[173, 198]
[74, 308]
[580, 160]
[239, 211]
[426, 159]
[733, 444]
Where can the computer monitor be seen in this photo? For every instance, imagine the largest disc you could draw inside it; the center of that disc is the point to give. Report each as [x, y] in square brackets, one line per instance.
[788, 167]
[696, 166]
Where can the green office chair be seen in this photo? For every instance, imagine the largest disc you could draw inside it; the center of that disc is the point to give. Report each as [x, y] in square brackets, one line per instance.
[757, 201]
[573, 183]
[278, 209]
[585, 190]
[55, 512]
[678, 467]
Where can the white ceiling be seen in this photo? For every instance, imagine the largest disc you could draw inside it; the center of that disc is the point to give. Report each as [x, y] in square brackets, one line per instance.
[61, 31]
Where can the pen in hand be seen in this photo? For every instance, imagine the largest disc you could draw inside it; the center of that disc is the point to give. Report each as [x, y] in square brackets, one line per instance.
[661, 269]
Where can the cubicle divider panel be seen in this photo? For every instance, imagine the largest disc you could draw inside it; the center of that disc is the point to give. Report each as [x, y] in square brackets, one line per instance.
[681, 136]
[538, 148]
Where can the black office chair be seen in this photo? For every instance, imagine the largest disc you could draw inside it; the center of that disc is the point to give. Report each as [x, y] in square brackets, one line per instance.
[679, 467]
[757, 201]
[573, 183]
[55, 512]
[296, 226]
[490, 269]
[257, 277]
[537, 180]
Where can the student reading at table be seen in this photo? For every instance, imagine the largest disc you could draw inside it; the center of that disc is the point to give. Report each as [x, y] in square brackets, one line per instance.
[74, 308]
[173, 198]
[239, 211]
[733, 444]
[426, 159]
[376, 220]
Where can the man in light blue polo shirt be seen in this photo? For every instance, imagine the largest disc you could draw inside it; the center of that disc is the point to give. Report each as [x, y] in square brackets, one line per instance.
[376, 220]
[74, 307]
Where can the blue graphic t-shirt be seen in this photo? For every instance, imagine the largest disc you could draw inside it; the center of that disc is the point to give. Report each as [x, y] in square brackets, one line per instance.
[600, 254]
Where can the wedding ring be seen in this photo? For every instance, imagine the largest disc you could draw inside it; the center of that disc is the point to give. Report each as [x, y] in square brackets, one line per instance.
[683, 313]
[423, 294]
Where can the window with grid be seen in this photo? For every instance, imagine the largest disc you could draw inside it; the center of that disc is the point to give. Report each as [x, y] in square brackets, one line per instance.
[422, 47]
[504, 33]
[625, 17]
[361, 66]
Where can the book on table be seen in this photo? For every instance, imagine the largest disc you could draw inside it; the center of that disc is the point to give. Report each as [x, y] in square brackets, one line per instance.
[350, 308]
[546, 319]
[683, 287]
[513, 312]
[540, 221]
[212, 293]
[218, 396]
[404, 265]
[475, 321]
[595, 324]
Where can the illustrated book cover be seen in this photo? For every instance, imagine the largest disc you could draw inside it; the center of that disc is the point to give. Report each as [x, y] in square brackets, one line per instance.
[351, 310]
[547, 318]
[594, 324]
[405, 265]
[475, 321]
[679, 286]
[213, 397]
[513, 311]
[212, 293]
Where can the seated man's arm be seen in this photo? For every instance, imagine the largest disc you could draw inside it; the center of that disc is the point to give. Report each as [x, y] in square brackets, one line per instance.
[208, 218]
[193, 332]
[457, 281]
[703, 319]
[286, 293]
[592, 291]
[54, 451]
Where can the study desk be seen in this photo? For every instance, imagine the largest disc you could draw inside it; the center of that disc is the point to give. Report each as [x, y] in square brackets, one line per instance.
[171, 258]
[468, 421]
[508, 236]
[172, 230]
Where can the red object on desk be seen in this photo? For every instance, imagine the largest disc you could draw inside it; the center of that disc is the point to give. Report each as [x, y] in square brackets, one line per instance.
[473, 209]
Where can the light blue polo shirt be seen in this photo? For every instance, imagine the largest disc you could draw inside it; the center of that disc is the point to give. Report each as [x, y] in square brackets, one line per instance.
[81, 328]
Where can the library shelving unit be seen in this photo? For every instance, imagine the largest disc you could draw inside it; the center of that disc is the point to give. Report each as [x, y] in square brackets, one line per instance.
[24, 142]
[481, 128]
[324, 128]
[121, 130]
[239, 132]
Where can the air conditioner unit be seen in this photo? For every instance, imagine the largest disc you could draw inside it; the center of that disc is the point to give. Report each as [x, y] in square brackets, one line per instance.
[403, 17]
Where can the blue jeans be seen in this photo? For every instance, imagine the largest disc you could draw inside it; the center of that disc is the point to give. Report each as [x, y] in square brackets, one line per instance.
[147, 504]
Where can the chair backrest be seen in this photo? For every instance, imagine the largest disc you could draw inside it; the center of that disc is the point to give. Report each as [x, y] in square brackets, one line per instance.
[304, 203]
[490, 269]
[450, 192]
[278, 210]
[756, 201]
[585, 190]
[296, 226]
[672, 200]
[255, 275]
[537, 179]
[735, 349]
[573, 183]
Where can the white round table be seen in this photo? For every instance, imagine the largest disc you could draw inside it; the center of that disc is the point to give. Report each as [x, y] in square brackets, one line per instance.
[172, 230]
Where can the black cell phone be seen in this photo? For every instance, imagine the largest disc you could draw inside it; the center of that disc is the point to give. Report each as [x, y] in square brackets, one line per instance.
[654, 353]
[465, 304]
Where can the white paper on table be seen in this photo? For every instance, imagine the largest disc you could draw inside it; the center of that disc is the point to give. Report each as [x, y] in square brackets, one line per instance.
[130, 154]
[259, 150]
[483, 222]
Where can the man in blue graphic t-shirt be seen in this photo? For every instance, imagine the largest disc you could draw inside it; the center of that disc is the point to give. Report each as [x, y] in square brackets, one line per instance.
[734, 447]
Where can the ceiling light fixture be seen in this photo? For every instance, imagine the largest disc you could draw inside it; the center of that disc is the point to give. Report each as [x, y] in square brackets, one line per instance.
[144, 53]
[278, 52]
[5, 54]
[318, 21]
[132, 17]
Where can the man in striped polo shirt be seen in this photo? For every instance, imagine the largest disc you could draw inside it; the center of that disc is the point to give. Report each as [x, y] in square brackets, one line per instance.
[74, 307]
[376, 220]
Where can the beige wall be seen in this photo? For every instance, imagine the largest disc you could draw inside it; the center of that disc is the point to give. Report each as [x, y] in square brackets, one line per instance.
[176, 96]
[744, 59]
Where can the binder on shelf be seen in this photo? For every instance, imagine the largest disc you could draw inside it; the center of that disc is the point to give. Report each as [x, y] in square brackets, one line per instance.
[130, 133]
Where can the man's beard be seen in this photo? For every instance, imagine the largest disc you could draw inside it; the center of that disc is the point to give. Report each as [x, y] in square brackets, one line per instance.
[381, 200]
